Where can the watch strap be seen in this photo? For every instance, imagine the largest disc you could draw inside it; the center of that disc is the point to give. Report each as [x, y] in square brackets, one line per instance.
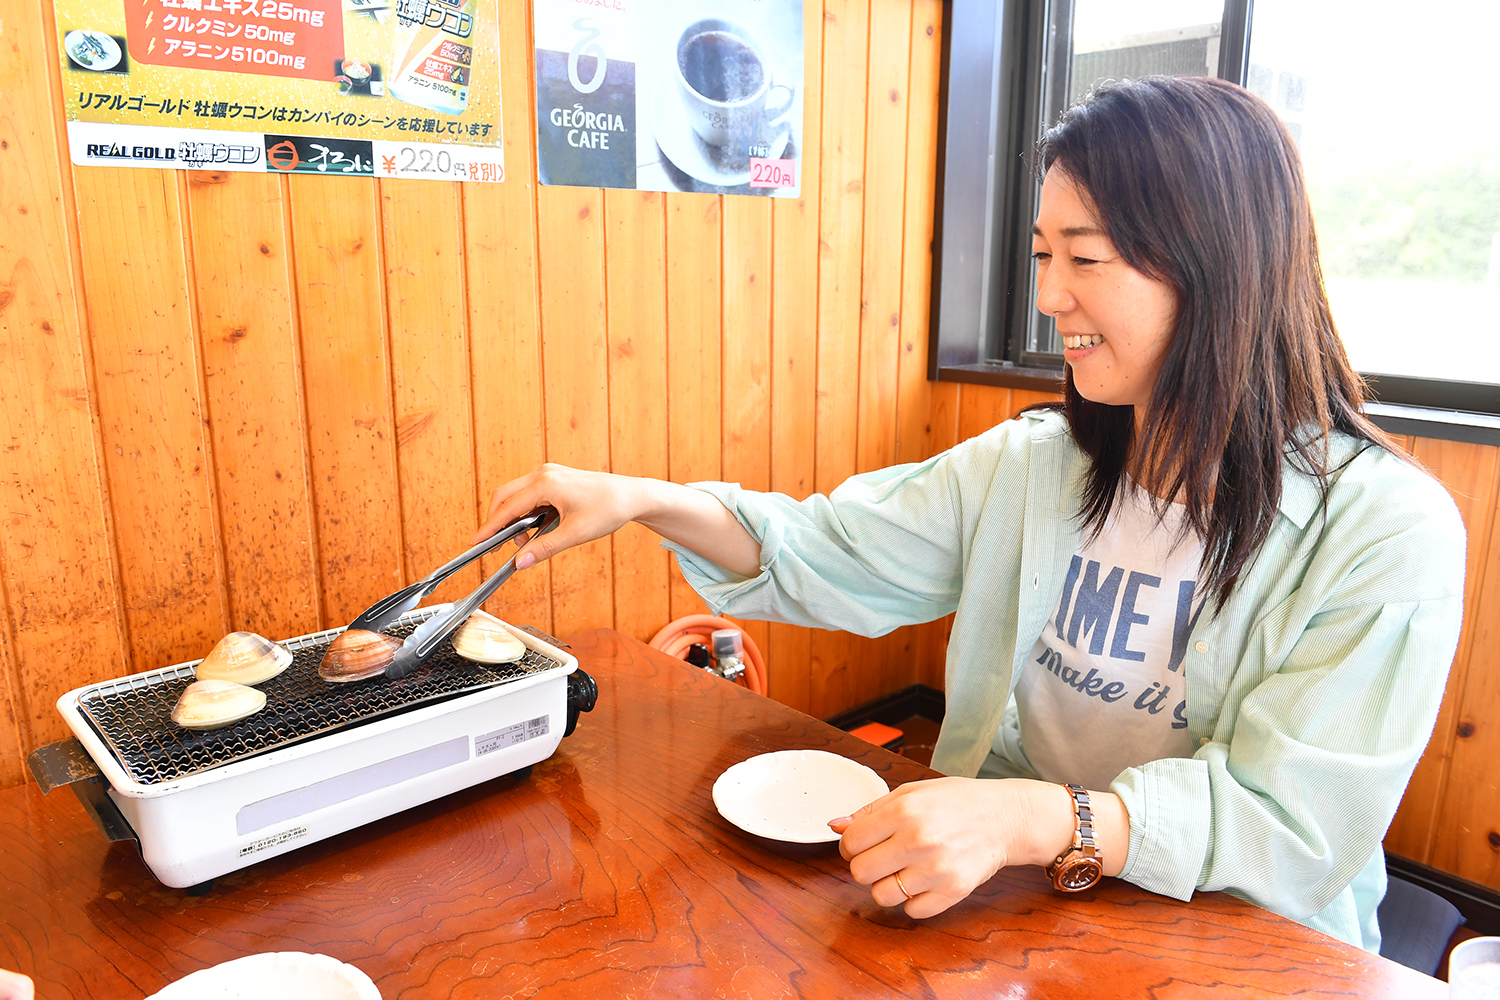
[1080, 866]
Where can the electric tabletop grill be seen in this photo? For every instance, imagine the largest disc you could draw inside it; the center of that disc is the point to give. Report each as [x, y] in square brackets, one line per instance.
[319, 759]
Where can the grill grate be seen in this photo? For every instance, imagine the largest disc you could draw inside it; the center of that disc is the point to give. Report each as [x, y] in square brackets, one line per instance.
[134, 714]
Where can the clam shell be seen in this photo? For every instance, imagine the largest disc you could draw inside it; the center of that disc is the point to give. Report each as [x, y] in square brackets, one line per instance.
[214, 704]
[483, 638]
[245, 658]
[357, 655]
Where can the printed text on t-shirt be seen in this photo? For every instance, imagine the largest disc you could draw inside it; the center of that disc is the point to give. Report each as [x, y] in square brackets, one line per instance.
[1093, 606]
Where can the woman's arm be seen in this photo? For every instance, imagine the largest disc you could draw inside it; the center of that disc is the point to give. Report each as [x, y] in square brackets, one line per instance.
[948, 836]
[595, 504]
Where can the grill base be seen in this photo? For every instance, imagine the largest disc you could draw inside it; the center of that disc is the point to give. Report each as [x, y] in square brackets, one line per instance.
[201, 833]
[213, 821]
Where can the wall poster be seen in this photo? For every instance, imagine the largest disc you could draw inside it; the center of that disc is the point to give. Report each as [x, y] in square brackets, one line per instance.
[377, 88]
[670, 95]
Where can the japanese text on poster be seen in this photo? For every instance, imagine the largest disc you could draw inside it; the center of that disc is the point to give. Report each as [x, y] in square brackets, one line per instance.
[385, 88]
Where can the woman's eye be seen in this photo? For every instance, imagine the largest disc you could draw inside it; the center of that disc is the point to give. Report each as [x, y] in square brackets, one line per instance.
[1084, 260]
[1040, 255]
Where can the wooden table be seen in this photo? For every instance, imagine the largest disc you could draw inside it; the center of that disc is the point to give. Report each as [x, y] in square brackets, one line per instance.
[609, 873]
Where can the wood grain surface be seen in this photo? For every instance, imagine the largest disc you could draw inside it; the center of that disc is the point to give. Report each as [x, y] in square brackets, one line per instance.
[609, 873]
[252, 368]
[64, 618]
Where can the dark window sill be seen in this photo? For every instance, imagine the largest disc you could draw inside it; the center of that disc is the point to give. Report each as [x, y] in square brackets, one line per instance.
[1393, 418]
[1430, 422]
[1005, 376]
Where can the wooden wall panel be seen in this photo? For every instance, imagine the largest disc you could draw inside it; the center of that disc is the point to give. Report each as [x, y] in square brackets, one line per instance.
[746, 449]
[12, 771]
[63, 623]
[157, 451]
[1469, 471]
[252, 368]
[336, 233]
[575, 358]
[846, 44]
[505, 342]
[915, 405]
[1457, 774]
[694, 354]
[884, 208]
[794, 353]
[425, 302]
[841, 225]
[639, 396]
[887, 661]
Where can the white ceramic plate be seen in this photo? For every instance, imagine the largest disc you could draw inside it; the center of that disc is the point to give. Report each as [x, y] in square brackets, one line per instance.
[791, 795]
[290, 974]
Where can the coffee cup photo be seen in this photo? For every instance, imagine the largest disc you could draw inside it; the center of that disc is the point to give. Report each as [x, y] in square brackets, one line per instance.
[727, 83]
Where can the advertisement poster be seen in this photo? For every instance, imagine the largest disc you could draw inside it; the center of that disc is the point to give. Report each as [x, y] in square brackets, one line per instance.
[374, 88]
[670, 95]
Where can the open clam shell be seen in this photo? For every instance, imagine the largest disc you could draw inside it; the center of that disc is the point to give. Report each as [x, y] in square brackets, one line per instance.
[213, 704]
[357, 655]
[245, 658]
[484, 638]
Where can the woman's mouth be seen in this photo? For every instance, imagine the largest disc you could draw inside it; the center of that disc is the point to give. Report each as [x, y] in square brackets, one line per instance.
[1078, 342]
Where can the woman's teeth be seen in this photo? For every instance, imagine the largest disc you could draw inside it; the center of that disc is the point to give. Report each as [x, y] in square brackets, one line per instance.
[1083, 340]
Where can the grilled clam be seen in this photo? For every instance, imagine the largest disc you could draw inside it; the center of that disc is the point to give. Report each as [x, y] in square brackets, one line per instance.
[483, 638]
[357, 655]
[214, 704]
[245, 658]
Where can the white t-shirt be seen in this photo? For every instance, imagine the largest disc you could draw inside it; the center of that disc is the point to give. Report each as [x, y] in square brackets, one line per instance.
[1104, 688]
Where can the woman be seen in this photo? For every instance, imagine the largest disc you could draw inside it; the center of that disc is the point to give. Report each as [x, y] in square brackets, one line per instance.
[1208, 589]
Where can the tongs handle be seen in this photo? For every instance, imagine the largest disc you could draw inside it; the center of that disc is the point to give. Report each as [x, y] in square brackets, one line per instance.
[386, 610]
[426, 638]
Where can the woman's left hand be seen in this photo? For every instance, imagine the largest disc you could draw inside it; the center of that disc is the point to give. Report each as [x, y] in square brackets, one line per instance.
[947, 836]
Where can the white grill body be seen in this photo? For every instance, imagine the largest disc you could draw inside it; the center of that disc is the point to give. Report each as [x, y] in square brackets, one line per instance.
[204, 825]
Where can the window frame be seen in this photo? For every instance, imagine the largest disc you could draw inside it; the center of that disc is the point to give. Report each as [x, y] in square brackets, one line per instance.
[1000, 57]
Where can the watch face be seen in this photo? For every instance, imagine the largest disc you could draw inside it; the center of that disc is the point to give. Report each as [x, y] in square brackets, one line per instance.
[1078, 874]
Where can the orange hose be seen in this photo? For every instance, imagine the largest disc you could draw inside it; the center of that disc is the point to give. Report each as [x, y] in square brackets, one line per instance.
[676, 637]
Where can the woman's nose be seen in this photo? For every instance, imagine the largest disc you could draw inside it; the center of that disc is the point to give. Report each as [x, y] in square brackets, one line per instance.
[1052, 295]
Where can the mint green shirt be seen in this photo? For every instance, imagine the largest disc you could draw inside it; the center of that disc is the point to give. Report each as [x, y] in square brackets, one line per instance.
[1310, 697]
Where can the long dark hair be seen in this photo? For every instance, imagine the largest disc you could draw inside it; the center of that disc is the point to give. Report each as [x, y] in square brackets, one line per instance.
[1198, 185]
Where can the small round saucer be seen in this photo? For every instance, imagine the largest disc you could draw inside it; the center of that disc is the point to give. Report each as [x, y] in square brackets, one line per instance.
[303, 975]
[684, 149]
[791, 795]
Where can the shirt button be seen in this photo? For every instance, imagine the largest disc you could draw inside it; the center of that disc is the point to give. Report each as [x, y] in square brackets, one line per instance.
[1201, 646]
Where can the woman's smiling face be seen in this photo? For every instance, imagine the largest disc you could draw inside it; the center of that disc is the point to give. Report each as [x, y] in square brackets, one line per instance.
[1114, 321]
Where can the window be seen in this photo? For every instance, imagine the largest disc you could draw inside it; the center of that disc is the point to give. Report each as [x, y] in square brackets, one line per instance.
[1389, 109]
[1393, 113]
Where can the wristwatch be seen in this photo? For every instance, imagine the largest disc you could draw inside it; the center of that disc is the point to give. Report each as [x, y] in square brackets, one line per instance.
[1082, 865]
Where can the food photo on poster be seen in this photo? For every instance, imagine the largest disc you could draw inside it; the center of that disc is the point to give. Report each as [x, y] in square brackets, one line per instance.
[390, 88]
[671, 95]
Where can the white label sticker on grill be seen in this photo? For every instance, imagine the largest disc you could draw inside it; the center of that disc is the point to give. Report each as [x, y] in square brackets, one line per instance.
[274, 840]
[512, 735]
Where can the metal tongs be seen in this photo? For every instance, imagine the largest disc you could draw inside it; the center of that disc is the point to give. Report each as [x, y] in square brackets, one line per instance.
[430, 634]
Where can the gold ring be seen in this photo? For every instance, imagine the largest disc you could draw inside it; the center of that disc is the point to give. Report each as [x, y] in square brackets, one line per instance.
[901, 885]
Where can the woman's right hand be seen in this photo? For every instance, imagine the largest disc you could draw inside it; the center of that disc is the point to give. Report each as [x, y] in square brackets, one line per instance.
[595, 504]
[591, 505]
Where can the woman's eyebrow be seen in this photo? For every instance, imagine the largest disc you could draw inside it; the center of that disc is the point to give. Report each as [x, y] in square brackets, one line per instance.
[1071, 231]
